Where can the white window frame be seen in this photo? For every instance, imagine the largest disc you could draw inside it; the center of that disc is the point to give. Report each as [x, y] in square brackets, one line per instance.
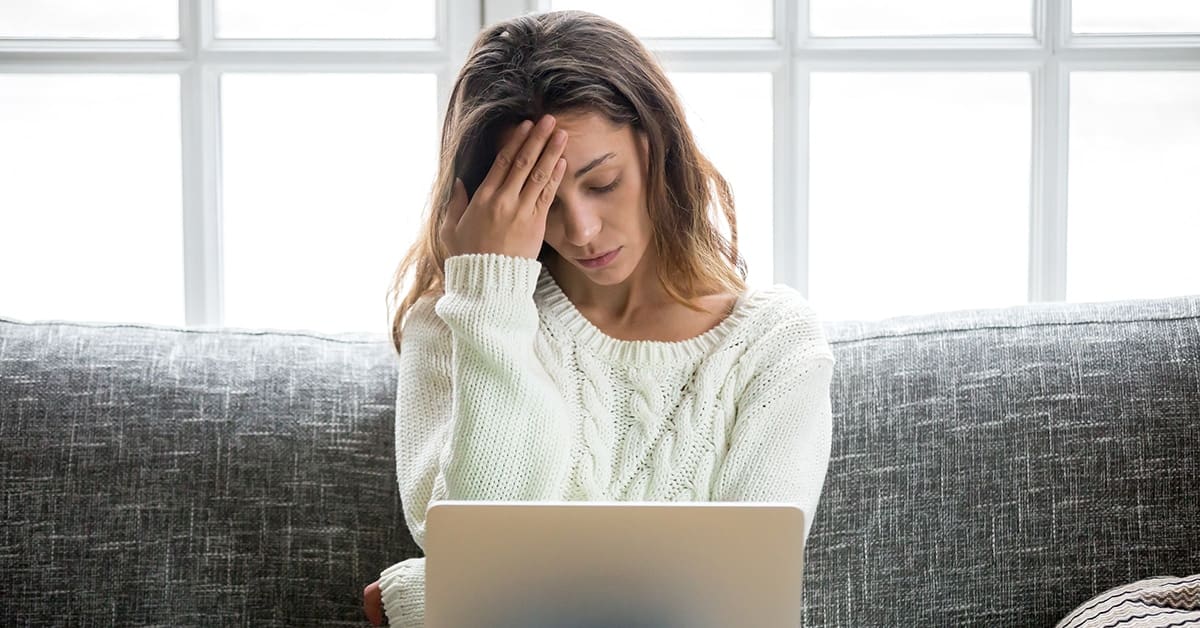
[791, 56]
[199, 59]
[1049, 56]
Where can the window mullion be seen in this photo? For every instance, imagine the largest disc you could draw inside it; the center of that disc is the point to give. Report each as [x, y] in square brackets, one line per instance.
[791, 234]
[200, 127]
[458, 25]
[1048, 207]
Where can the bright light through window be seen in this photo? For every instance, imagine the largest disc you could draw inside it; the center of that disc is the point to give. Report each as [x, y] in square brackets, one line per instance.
[91, 220]
[325, 179]
[919, 196]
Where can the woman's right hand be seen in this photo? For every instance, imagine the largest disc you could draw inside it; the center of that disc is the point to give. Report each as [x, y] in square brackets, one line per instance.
[507, 215]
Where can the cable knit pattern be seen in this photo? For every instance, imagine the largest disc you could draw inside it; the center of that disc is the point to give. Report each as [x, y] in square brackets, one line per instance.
[506, 392]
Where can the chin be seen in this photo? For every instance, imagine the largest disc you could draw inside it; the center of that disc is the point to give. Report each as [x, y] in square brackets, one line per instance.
[606, 277]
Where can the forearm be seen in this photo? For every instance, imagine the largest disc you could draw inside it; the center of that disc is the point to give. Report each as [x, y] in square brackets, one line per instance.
[509, 439]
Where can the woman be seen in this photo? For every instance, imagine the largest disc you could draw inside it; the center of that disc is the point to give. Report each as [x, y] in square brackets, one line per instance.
[578, 327]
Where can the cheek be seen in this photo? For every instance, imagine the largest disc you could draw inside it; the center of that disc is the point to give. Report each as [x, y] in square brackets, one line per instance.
[634, 204]
[631, 195]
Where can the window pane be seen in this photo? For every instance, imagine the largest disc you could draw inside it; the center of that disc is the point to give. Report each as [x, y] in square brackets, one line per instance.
[680, 18]
[1134, 193]
[90, 210]
[919, 192]
[866, 18]
[109, 19]
[730, 114]
[325, 178]
[325, 19]
[1143, 16]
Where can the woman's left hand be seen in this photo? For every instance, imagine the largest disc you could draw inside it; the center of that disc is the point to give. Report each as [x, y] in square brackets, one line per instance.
[373, 603]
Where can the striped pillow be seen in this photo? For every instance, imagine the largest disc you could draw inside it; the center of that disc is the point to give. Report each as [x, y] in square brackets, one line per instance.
[1151, 603]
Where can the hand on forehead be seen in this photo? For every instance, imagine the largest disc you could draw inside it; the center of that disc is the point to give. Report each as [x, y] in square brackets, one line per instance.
[592, 140]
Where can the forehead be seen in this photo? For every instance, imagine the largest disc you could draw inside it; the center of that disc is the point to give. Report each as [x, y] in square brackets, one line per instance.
[589, 135]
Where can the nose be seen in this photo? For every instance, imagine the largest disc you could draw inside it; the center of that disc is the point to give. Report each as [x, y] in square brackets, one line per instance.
[580, 224]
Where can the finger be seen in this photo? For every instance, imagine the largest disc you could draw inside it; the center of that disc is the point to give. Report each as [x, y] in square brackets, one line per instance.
[525, 159]
[504, 159]
[541, 174]
[373, 604]
[546, 197]
[457, 205]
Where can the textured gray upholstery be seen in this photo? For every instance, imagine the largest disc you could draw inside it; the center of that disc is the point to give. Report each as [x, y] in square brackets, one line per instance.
[993, 467]
[171, 477]
[1000, 467]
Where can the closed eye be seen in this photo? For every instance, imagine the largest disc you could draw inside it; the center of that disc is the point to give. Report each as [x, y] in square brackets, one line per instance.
[608, 188]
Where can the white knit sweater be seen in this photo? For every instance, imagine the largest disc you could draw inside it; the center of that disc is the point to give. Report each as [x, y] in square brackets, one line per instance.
[506, 392]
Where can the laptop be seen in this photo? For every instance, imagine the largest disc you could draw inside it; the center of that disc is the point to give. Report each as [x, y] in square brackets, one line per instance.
[613, 564]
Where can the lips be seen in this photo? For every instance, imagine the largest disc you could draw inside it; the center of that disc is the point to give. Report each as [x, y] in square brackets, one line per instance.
[595, 259]
[601, 261]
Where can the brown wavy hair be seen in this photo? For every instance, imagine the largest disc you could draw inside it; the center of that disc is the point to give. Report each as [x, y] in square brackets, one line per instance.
[575, 61]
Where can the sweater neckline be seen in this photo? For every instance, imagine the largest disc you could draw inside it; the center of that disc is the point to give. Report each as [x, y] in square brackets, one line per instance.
[559, 306]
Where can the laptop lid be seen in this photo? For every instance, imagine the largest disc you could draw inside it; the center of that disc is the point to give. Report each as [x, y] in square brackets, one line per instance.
[605, 564]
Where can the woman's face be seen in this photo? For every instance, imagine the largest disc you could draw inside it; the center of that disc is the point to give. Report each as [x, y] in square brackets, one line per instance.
[600, 208]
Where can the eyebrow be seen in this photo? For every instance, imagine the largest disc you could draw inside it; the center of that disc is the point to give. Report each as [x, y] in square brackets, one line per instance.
[595, 162]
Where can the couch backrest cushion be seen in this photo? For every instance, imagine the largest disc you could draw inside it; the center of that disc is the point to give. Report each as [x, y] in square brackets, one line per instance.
[989, 467]
[999, 467]
[188, 477]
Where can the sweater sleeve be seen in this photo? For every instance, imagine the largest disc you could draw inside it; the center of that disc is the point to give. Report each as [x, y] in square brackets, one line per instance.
[477, 416]
[780, 444]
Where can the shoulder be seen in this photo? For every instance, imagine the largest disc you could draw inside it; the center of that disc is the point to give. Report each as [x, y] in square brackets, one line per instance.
[783, 344]
[423, 311]
[422, 325]
[784, 323]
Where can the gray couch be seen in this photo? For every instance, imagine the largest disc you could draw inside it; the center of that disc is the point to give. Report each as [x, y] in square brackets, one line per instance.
[992, 467]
